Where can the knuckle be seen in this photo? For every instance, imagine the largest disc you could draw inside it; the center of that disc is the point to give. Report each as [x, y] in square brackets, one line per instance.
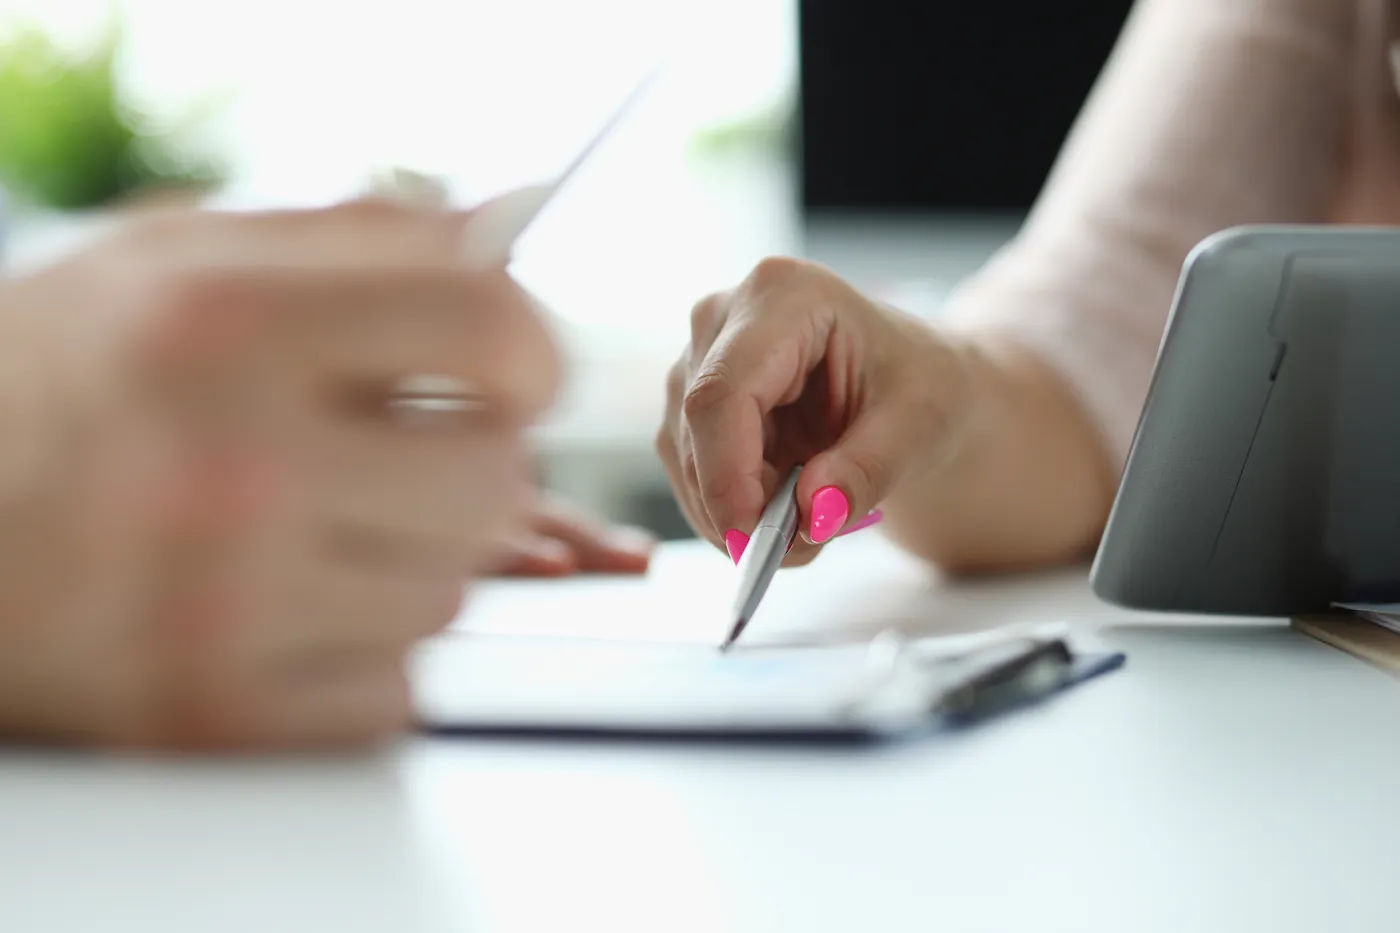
[718, 488]
[706, 392]
[705, 319]
[777, 271]
[704, 312]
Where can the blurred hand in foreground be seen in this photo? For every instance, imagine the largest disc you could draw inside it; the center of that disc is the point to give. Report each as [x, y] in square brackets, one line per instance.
[247, 461]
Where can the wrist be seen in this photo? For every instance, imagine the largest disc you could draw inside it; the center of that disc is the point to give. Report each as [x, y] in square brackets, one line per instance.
[1028, 391]
[1023, 480]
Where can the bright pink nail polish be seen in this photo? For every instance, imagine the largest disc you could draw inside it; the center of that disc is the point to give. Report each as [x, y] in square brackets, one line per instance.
[734, 542]
[872, 519]
[830, 509]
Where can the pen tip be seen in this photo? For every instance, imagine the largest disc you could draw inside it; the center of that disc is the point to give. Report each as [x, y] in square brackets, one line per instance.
[733, 635]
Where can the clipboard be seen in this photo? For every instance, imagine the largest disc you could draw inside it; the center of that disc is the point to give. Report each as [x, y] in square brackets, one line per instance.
[522, 686]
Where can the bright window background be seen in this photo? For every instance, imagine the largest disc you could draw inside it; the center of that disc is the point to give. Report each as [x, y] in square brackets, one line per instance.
[493, 95]
[497, 94]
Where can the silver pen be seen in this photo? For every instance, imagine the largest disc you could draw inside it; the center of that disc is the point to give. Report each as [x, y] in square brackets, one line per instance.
[767, 547]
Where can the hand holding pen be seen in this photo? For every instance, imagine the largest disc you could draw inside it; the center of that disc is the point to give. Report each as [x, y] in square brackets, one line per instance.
[763, 552]
[794, 366]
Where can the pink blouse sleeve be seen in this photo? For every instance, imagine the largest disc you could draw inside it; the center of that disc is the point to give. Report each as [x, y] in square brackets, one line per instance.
[1209, 113]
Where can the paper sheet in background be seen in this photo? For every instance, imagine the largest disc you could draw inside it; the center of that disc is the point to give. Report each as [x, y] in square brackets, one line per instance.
[857, 588]
[679, 601]
[687, 596]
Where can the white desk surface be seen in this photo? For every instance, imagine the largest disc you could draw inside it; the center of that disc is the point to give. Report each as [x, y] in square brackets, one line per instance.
[1232, 777]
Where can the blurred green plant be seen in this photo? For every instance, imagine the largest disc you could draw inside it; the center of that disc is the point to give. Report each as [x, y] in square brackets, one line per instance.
[70, 140]
[770, 129]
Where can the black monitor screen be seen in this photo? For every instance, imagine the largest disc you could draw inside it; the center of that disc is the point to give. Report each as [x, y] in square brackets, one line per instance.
[920, 105]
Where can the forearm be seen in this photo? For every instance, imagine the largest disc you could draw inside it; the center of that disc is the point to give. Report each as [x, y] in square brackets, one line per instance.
[1026, 480]
[1209, 115]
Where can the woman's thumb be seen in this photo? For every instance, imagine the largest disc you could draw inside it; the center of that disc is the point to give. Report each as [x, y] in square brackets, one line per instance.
[843, 483]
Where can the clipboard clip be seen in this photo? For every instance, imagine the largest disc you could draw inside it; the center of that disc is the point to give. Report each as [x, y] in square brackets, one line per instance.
[968, 687]
[1004, 677]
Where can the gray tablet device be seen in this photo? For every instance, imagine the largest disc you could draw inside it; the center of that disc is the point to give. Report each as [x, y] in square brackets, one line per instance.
[1264, 478]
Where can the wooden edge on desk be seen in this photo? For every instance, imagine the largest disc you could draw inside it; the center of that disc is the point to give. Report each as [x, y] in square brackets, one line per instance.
[1364, 640]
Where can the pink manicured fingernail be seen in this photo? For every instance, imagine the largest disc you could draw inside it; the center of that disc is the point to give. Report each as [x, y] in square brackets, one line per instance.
[872, 519]
[734, 542]
[830, 509]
